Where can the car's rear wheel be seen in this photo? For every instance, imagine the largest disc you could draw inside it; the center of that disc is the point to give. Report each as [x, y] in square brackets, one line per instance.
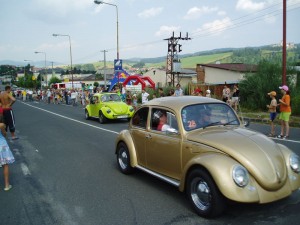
[204, 194]
[123, 159]
[87, 116]
[102, 118]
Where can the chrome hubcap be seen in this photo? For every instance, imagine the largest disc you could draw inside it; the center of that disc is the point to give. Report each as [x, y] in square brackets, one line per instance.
[201, 194]
[123, 159]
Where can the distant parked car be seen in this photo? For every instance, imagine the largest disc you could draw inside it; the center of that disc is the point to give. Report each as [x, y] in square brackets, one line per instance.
[107, 106]
[200, 145]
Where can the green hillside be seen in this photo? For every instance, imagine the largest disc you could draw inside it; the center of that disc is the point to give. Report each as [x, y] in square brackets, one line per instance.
[192, 61]
[250, 55]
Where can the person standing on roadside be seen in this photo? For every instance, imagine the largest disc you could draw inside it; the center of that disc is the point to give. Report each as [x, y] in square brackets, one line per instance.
[178, 91]
[225, 93]
[161, 92]
[128, 97]
[49, 96]
[208, 93]
[285, 111]
[6, 156]
[145, 96]
[24, 95]
[272, 110]
[7, 100]
[235, 97]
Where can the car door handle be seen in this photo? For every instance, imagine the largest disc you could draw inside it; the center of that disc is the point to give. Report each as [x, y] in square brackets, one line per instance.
[148, 136]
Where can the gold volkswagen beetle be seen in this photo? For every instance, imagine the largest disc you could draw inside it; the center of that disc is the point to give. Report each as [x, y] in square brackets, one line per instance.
[199, 145]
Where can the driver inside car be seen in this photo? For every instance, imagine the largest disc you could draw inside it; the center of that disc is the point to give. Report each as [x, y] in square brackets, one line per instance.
[202, 120]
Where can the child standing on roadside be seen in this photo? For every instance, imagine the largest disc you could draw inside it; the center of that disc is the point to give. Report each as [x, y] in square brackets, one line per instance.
[285, 112]
[272, 110]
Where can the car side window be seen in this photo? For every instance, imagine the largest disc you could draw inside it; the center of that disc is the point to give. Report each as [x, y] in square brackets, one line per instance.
[104, 98]
[95, 99]
[140, 117]
[162, 120]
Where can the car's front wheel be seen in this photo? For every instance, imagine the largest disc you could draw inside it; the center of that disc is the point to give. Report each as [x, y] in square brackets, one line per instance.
[123, 159]
[204, 194]
[102, 118]
[87, 116]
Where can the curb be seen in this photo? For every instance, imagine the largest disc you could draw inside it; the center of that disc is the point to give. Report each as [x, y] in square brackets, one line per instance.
[267, 121]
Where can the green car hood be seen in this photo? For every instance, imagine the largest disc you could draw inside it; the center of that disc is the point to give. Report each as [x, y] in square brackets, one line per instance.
[117, 107]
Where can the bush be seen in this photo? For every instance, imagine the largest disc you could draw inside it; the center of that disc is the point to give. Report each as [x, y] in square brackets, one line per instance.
[254, 88]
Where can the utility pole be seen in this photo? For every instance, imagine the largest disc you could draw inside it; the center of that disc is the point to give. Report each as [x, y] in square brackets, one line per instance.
[104, 71]
[52, 74]
[284, 44]
[172, 58]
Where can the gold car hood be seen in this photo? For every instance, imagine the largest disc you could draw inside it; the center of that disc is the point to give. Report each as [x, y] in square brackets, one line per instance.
[256, 152]
[118, 107]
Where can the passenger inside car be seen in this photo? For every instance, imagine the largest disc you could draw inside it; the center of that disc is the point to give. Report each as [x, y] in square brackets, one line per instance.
[162, 118]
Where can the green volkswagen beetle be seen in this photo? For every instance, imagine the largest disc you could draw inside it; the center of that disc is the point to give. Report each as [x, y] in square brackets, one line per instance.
[105, 106]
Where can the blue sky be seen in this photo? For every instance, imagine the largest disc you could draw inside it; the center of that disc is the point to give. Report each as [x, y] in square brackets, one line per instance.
[27, 26]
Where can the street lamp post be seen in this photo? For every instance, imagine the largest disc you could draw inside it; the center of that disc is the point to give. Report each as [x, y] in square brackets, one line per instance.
[104, 51]
[66, 35]
[101, 2]
[45, 66]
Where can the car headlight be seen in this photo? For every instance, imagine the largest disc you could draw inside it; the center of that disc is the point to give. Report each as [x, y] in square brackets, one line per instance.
[108, 111]
[240, 176]
[294, 163]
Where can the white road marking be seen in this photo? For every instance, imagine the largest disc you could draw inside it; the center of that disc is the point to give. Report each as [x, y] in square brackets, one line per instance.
[25, 169]
[288, 140]
[56, 114]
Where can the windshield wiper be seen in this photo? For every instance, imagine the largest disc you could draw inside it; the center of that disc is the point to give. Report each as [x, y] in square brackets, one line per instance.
[219, 123]
[212, 124]
[230, 122]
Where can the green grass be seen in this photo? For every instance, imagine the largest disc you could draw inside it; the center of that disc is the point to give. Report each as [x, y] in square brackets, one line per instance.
[191, 62]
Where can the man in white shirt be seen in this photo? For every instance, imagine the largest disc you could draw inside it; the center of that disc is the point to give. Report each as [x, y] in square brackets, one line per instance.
[144, 96]
[178, 91]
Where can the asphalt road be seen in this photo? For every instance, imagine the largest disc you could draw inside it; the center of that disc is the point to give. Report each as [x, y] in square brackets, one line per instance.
[66, 173]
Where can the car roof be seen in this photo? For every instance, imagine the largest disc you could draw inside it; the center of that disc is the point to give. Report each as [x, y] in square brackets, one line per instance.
[181, 101]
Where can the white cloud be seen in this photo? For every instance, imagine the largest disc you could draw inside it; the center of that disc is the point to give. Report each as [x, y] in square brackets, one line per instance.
[166, 30]
[195, 12]
[216, 27]
[150, 12]
[249, 5]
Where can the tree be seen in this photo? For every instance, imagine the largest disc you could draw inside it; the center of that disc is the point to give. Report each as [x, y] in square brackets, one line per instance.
[254, 88]
[139, 65]
[54, 80]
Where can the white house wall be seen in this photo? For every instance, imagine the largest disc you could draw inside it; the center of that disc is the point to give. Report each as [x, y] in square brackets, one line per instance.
[160, 78]
[214, 75]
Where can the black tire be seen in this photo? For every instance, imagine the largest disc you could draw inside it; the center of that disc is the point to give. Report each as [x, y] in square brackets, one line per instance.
[86, 114]
[204, 194]
[123, 159]
[102, 118]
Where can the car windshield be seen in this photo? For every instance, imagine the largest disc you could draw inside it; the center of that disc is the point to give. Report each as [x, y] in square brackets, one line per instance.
[206, 115]
[111, 97]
